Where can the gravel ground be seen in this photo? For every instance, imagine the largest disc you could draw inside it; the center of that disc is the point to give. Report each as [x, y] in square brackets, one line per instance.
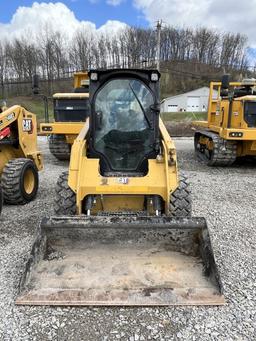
[226, 197]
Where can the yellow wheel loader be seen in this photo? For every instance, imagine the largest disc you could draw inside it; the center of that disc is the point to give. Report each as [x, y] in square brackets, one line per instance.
[123, 232]
[20, 160]
[230, 130]
[70, 112]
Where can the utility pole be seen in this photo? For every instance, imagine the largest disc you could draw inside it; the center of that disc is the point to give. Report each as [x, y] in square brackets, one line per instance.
[158, 51]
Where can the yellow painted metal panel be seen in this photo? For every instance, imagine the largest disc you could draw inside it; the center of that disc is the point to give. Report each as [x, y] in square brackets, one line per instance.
[85, 178]
[203, 124]
[65, 128]
[248, 134]
[27, 148]
[79, 77]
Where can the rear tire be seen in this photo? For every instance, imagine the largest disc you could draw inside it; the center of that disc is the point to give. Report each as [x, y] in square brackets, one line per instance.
[19, 181]
[59, 147]
[180, 200]
[65, 198]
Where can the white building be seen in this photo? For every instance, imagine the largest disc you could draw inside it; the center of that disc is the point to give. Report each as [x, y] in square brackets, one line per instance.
[192, 101]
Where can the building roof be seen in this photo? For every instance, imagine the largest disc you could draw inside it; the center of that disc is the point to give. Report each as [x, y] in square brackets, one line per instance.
[189, 92]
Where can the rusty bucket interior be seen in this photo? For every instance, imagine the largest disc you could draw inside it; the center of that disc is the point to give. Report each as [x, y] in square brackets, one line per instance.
[121, 261]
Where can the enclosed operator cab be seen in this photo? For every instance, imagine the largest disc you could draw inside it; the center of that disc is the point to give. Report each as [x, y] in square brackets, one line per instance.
[124, 129]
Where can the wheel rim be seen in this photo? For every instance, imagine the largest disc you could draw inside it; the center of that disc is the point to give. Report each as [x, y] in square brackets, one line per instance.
[29, 181]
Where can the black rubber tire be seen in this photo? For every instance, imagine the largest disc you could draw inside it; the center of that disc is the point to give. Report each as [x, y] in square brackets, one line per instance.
[65, 198]
[13, 181]
[180, 201]
[1, 199]
[59, 147]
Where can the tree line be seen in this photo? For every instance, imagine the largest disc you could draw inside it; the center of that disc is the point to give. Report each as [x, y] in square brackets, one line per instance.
[54, 56]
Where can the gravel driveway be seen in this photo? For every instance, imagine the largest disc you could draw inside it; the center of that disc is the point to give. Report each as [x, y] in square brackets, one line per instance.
[225, 196]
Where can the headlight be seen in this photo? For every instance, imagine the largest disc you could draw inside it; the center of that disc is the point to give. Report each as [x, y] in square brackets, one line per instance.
[94, 76]
[85, 82]
[154, 77]
[236, 134]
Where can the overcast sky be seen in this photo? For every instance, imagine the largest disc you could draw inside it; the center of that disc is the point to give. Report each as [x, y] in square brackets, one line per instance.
[110, 15]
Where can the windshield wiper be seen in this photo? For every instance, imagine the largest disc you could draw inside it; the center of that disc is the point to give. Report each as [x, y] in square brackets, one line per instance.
[141, 106]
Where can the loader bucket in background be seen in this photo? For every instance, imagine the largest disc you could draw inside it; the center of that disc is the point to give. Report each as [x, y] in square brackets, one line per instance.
[121, 260]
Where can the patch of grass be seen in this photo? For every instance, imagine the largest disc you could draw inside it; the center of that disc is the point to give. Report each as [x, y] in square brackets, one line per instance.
[33, 104]
[36, 105]
[183, 116]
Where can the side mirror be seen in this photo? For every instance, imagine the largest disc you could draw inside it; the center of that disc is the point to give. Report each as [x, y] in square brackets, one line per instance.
[35, 84]
[98, 120]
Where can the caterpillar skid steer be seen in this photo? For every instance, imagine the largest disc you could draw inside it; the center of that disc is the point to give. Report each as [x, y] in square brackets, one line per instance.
[20, 160]
[70, 111]
[123, 232]
[230, 130]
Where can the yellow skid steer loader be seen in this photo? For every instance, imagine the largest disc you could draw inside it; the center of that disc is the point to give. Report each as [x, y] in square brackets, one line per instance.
[123, 234]
[20, 159]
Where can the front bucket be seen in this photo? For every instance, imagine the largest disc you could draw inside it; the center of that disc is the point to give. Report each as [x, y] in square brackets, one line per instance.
[121, 260]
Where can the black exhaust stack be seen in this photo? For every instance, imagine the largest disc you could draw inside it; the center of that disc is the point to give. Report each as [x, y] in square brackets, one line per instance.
[36, 91]
[224, 90]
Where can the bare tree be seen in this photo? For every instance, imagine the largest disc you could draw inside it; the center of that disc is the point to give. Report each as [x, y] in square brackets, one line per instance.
[188, 51]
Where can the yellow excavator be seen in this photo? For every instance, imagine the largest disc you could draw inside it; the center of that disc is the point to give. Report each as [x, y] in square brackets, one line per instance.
[123, 232]
[20, 159]
[230, 129]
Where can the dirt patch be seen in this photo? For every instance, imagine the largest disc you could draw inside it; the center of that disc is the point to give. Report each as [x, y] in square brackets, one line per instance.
[180, 129]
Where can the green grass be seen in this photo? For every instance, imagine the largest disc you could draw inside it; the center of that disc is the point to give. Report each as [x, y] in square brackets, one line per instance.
[183, 116]
[36, 105]
[32, 104]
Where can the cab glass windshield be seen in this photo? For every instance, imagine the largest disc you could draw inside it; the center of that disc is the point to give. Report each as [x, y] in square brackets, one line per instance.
[123, 126]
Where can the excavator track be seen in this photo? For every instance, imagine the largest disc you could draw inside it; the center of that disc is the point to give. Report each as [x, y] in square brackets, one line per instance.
[222, 153]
